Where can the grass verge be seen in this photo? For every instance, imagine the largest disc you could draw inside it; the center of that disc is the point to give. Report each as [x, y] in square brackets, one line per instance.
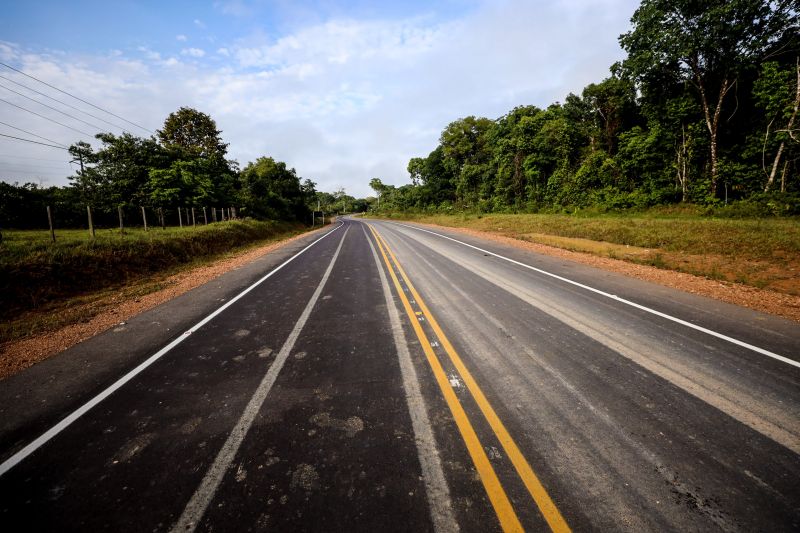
[46, 285]
[763, 253]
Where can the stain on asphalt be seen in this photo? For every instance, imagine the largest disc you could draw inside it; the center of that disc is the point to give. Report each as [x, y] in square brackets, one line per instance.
[351, 426]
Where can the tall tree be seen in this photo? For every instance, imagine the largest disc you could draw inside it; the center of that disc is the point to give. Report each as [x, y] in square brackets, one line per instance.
[192, 132]
[270, 190]
[466, 155]
[777, 92]
[91, 184]
[708, 44]
[124, 162]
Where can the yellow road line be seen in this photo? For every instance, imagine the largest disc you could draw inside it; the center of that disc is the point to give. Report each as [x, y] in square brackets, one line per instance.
[537, 491]
[497, 495]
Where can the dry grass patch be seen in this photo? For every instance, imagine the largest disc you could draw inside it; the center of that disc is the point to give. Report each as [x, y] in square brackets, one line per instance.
[761, 253]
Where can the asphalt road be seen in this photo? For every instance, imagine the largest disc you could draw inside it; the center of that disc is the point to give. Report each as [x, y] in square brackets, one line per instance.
[379, 376]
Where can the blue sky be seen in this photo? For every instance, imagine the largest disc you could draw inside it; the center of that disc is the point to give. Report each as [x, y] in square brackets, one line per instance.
[342, 91]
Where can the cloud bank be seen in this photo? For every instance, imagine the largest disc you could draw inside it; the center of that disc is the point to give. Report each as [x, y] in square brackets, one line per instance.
[341, 100]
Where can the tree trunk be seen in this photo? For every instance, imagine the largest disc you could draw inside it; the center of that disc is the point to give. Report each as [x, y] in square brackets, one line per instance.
[783, 176]
[712, 120]
[682, 174]
[789, 127]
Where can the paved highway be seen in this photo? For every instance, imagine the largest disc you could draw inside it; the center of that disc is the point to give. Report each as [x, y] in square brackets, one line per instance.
[381, 376]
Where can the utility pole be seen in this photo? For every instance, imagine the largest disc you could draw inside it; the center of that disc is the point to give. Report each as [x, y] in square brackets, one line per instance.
[83, 185]
[91, 224]
[50, 221]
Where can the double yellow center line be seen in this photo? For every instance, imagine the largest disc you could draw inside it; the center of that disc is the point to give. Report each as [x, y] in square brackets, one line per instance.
[494, 489]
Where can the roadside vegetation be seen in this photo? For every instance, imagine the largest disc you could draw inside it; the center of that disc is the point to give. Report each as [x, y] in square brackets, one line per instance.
[45, 283]
[764, 253]
[686, 157]
[703, 110]
[198, 206]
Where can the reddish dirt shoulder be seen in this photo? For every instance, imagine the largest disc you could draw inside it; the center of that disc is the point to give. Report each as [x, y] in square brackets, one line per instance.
[18, 355]
[784, 305]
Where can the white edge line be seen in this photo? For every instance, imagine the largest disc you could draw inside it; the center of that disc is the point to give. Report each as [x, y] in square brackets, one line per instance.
[732, 340]
[198, 504]
[18, 457]
[437, 491]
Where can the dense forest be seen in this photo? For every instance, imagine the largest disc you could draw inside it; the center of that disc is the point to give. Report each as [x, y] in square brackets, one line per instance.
[183, 167]
[703, 109]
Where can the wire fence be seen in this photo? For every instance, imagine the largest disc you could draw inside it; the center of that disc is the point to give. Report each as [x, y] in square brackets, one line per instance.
[132, 217]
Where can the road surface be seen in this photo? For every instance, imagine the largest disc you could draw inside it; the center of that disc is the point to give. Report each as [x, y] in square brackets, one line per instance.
[381, 376]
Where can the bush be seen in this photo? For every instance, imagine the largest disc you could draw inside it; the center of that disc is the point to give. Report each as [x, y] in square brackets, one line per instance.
[772, 204]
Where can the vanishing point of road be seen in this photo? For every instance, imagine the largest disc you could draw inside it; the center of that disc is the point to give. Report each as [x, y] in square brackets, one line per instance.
[381, 376]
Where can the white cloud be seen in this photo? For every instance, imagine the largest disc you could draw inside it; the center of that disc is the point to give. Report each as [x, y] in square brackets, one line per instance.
[8, 52]
[149, 54]
[200, 24]
[193, 52]
[182, 38]
[236, 8]
[346, 100]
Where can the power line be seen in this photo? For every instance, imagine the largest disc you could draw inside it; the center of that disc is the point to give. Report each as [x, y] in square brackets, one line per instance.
[23, 168]
[62, 103]
[4, 156]
[75, 97]
[53, 108]
[47, 118]
[30, 141]
[30, 133]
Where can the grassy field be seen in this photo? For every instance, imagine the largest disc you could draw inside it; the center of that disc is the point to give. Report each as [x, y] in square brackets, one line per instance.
[38, 277]
[764, 253]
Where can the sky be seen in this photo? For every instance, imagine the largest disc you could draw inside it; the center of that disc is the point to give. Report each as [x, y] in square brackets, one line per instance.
[341, 91]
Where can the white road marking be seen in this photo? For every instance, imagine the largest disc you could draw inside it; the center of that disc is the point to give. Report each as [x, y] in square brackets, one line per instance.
[761, 414]
[707, 331]
[202, 497]
[435, 485]
[18, 457]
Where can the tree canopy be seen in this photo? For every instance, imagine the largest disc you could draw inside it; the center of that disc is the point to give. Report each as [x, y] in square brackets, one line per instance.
[183, 167]
[193, 132]
[703, 109]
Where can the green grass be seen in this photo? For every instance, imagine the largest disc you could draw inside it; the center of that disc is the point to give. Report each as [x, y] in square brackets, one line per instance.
[756, 239]
[760, 252]
[36, 273]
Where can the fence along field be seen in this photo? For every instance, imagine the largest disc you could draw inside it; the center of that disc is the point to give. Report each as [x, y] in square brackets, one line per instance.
[41, 267]
[185, 216]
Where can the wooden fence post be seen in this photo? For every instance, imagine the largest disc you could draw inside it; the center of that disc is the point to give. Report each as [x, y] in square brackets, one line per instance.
[144, 218]
[161, 215]
[194, 224]
[205, 217]
[180, 220]
[50, 221]
[213, 214]
[119, 213]
[91, 225]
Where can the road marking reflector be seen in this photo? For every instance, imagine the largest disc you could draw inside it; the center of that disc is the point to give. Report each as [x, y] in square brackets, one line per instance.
[537, 491]
[614, 297]
[494, 490]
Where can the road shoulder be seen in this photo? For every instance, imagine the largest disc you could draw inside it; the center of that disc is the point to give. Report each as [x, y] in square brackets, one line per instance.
[16, 356]
[774, 303]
